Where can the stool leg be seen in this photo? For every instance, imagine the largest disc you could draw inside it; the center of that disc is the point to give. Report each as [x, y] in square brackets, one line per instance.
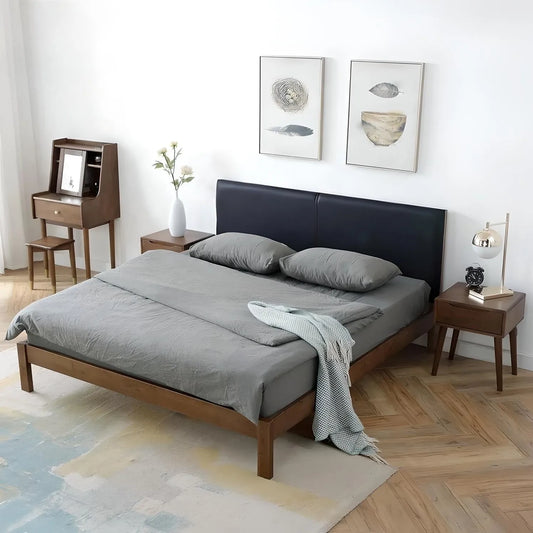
[72, 262]
[30, 265]
[45, 256]
[52, 267]
[498, 360]
[514, 359]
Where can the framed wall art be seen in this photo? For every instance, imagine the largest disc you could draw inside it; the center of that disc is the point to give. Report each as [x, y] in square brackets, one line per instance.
[384, 114]
[71, 172]
[290, 108]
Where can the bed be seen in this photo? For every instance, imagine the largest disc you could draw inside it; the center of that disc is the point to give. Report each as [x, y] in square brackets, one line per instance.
[218, 373]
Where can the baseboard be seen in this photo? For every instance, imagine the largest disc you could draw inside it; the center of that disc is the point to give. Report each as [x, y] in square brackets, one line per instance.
[468, 347]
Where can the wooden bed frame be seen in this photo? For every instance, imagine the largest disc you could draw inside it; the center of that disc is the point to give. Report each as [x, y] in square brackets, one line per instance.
[269, 200]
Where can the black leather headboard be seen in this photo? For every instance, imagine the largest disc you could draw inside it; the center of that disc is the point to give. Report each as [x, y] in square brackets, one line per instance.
[285, 215]
[410, 236]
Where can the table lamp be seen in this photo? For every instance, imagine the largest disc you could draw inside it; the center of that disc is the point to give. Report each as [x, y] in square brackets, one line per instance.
[487, 244]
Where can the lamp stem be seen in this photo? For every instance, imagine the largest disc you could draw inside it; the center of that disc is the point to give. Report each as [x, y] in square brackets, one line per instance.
[504, 250]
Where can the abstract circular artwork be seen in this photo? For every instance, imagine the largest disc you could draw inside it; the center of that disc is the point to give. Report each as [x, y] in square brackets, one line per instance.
[289, 94]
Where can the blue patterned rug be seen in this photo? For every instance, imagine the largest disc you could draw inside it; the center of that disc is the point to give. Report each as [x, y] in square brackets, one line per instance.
[75, 457]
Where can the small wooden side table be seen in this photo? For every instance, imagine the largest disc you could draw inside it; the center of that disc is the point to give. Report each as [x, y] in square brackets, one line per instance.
[162, 240]
[454, 308]
[95, 203]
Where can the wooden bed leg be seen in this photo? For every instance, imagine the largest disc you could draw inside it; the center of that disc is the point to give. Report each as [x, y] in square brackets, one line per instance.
[26, 378]
[265, 450]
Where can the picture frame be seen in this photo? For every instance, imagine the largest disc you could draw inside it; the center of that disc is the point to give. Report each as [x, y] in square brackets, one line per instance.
[291, 92]
[384, 114]
[71, 172]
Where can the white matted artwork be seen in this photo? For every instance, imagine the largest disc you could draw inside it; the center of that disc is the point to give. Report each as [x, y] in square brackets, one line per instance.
[290, 116]
[384, 114]
[71, 172]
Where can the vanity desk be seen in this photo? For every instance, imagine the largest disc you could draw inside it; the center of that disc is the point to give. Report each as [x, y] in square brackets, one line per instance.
[83, 191]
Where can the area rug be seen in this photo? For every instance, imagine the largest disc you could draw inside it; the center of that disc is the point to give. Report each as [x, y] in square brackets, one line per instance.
[76, 457]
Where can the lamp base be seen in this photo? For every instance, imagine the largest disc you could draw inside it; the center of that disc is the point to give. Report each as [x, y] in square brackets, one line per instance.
[488, 293]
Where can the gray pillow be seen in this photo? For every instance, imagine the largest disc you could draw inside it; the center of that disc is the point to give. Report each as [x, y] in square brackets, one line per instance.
[339, 269]
[242, 251]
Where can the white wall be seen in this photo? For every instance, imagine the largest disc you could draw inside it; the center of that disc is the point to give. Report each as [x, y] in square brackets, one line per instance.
[145, 73]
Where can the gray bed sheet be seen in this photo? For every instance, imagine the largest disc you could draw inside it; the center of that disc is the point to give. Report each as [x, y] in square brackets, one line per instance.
[401, 301]
[212, 363]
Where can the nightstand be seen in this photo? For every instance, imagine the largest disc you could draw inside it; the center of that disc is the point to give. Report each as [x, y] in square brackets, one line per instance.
[162, 240]
[454, 308]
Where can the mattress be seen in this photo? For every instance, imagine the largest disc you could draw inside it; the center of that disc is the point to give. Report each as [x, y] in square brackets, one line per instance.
[122, 330]
[401, 301]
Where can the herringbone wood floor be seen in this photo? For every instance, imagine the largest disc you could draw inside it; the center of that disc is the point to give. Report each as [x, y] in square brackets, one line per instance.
[464, 451]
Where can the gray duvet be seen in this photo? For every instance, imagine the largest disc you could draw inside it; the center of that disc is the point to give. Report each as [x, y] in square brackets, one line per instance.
[184, 323]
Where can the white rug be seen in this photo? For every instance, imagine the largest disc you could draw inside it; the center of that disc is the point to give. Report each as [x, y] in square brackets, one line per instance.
[75, 457]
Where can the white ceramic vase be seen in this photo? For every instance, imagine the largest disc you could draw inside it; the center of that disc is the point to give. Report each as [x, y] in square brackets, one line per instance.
[176, 218]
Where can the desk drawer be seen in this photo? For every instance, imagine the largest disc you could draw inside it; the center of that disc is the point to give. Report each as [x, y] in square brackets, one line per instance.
[474, 319]
[148, 244]
[67, 215]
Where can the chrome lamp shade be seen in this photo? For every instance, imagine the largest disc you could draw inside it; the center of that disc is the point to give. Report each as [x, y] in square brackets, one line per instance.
[487, 244]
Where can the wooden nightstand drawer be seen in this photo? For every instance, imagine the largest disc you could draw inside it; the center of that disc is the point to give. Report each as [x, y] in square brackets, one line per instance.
[478, 320]
[147, 244]
[162, 240]
[57, 212]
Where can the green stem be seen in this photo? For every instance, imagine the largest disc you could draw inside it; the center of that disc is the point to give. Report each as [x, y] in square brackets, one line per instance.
[169, 168]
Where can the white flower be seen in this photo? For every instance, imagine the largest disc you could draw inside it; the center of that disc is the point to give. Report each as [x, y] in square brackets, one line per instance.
[168, 165]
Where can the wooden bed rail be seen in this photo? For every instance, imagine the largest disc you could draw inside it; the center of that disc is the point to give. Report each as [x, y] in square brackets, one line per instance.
[265, 431]
[297, 415]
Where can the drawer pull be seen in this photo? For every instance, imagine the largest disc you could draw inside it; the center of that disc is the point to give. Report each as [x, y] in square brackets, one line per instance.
[56, 212]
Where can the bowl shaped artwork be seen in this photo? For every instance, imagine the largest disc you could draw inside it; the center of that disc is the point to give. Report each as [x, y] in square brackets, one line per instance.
[383, 129]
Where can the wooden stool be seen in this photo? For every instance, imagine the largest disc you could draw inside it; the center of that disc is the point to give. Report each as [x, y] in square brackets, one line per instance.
[49, 245]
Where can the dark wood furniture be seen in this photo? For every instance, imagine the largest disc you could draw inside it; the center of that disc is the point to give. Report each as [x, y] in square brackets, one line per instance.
[300, 219]
[498, 317]
[99, 203]
[162, 240]
[49, 245]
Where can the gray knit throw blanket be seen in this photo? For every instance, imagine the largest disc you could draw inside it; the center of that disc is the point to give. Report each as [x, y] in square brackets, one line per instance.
[334, 415]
